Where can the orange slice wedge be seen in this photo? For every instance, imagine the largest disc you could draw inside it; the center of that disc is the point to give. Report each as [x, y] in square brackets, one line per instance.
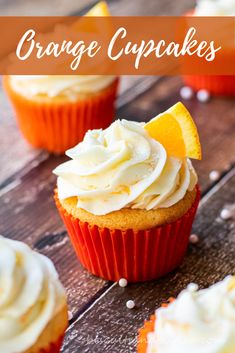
[176, 131]
[100, 9]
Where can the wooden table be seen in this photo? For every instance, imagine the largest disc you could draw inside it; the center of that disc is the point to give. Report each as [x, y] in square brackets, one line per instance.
[101, 322]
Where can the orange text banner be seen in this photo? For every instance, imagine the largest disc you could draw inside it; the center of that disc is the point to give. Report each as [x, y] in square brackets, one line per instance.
[117, 45]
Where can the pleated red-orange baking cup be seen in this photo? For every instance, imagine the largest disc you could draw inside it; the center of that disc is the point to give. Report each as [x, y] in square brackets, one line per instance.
[142, 341]
[58, 125]
[137, 255]
[216, 85]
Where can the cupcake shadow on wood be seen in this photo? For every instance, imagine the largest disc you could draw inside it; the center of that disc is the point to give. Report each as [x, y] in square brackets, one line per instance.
[129, 195]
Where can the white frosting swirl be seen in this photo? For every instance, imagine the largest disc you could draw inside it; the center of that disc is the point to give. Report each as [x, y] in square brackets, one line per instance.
[30, 295]
[197, 321]
[215, 8]
[52, 86]
[123, 166]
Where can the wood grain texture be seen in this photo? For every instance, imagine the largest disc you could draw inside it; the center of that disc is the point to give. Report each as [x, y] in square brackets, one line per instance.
[110, 327]
[28, 213]
[15, 152]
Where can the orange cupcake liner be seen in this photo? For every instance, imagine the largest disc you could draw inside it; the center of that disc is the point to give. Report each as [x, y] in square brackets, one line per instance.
[57, 126]
[135, 255]
[216, 85]
[142, 341]
[54, 347]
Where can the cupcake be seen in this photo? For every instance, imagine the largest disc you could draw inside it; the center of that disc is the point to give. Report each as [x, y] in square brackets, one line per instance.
[129, 195]
[33, 309]
[214, 84]
[54, 112]
[198, 321]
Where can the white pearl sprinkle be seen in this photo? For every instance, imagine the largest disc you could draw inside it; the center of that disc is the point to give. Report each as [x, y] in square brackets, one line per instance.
[225, 214]
[70, 315]
[122, 282]
[193, 238]
[192, 287]
[186, 92]
[214, 175]
[203, 95]
[130, 304]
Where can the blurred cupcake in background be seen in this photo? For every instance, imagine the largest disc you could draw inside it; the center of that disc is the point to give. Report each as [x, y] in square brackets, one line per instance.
[223, 85]
[215, 8]
[33, 309]
[198, 321]
[129, 195]
[54, 112]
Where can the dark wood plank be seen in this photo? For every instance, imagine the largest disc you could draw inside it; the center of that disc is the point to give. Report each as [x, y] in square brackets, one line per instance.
[110, 327]
[28, 213]
[215, 121]
[15, 152]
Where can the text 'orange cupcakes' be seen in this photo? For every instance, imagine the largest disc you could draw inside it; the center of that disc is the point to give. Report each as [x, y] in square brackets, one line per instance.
[129, 195]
